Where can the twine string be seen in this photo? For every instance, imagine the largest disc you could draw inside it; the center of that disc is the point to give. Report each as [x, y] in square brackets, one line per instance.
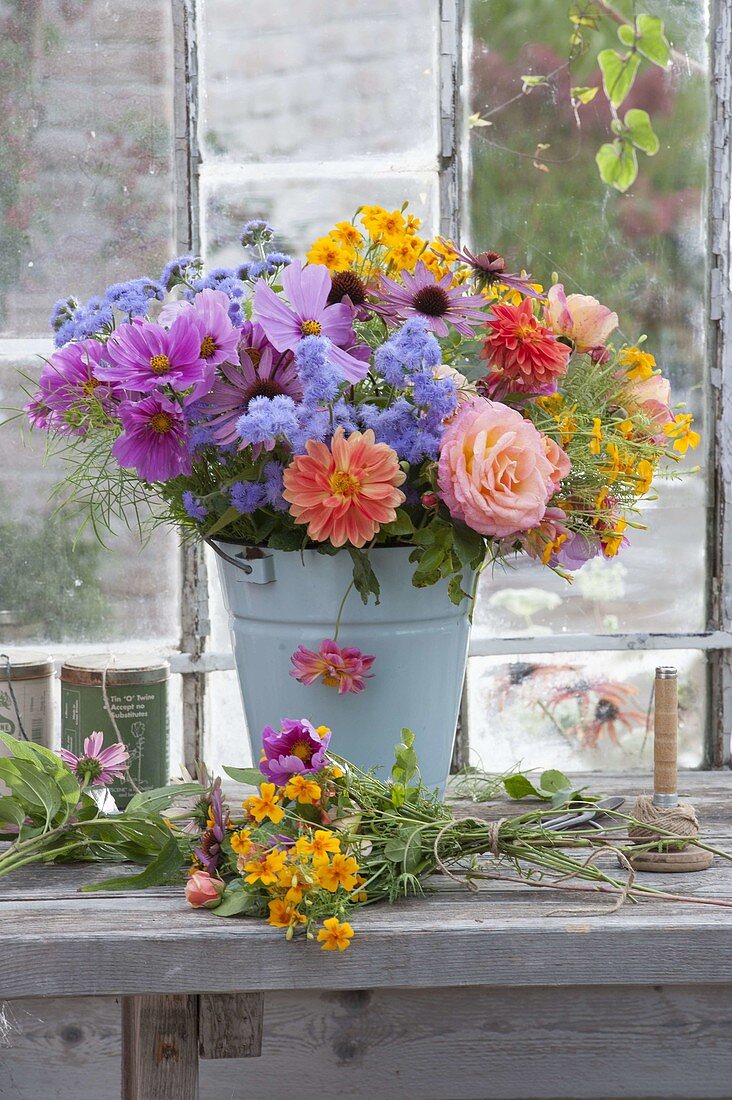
[113, 720]
[9, 676]
[652, 822]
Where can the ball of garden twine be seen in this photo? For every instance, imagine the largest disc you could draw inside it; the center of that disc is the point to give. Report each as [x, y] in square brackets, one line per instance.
[654, 821]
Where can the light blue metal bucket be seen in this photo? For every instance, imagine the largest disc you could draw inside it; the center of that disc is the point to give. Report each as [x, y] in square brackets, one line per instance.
[283, 599]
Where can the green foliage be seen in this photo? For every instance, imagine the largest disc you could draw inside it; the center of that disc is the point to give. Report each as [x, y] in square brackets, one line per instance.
[553, 787]
[250, 777]
[164, 870]
[365, 580]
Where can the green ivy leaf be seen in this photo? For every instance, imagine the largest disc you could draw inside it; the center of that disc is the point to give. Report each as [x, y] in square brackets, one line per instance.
[250, 777]
[618, 73]
[638, 128]
[648, 38]
[618, 164]
[364, 579]
[553, 780]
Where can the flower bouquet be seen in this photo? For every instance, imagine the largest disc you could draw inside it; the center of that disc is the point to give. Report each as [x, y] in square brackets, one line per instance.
[394, 409]
[317, 840]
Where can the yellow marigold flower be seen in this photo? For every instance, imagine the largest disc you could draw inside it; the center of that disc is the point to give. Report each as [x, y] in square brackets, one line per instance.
[612, 470]
[551, 402]
[265, 806]
[282, 915]
[625, 427]
[639, 364]
[404, 253]
[335, 934]
[382, 225]
[331, 254]
[644, 473]
[265, 870]
[337, 772]
[567, 428]
[413, 223]
[679, 429]
[595, 444]
[346, 233]
[290, 878]
[613, 540]
[340, 871]
[319, 846]
[552, 547]
[241, 841]
[303, 790]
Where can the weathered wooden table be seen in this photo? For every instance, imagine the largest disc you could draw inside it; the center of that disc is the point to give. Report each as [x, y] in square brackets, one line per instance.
[511, 992]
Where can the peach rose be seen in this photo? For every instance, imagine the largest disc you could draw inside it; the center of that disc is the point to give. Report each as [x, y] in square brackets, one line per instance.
[579, 317]
[202, 891]
[496, 472]
[649, 396]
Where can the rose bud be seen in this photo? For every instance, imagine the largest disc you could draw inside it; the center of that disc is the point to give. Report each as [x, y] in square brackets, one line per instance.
[203, 891]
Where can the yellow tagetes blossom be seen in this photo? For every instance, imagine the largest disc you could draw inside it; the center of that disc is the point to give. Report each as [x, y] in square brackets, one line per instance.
[638, 364]
[241, 841]
[404, 253]
[383, 225]
[303, 790]
[644, 474]
[625, 427]
[265, 805]
[282, 915]
[595, 444]
[346, 233]
[334, 256]
[335, 934]
[340, 871]
[612, 540]
[679, 429]
[321, 844]
[265, 870]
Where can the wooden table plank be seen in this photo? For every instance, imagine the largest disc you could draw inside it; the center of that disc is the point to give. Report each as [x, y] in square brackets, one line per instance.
[160, 1048]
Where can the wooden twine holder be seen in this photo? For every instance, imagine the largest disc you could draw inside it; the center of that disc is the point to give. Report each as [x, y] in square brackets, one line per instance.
[664, 813]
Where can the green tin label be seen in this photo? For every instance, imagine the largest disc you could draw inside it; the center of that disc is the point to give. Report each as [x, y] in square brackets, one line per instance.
[141, 712]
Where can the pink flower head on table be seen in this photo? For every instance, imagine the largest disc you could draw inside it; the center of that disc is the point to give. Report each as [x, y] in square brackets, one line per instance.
[97, 767]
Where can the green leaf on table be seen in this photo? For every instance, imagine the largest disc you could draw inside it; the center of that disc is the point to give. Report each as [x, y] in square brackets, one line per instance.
[11, 812]
[165, 869]
[31, 788]
[250, 777]
[236, 900]
[637, 126]
[647, 36]
[553, 780]
[618, 164]
[365, 580]
[51, 765]
[618, 73]
[160, 798]
[520, 786]
[406, 848]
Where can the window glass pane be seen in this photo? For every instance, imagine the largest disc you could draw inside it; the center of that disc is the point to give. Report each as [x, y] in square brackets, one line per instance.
[579, 711]
[642, 253]
[86, 194]
[310, 80]
[53, 592]
[226, 740]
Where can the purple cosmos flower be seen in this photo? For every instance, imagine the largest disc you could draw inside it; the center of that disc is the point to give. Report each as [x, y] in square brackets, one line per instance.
[576, 551]
[154, 442]
[208, 852]
[259, 373]
[67, 384]
[97, 767]
[308, 314]
[439, 303]
[145, 356]
[293, 750]
[489, 269]
[210, 308]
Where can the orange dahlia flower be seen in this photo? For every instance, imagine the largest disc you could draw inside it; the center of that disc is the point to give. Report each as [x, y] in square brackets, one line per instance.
[346, 491]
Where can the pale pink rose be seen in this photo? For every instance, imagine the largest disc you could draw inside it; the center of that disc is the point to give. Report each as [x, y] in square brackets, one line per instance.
[579, 317]
[495, 471]
[202, 891]
[650, 396]
[559, 461]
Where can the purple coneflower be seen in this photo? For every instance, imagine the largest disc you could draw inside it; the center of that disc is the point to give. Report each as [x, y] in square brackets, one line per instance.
[308, 314]
[258, 373]
[208, 852]
[97, 767]
[155, 441]
[440, 304]
[489, 269]
[144, 356]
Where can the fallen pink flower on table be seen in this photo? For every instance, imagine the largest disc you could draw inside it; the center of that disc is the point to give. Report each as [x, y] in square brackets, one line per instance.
[345, 668]
[97, 767]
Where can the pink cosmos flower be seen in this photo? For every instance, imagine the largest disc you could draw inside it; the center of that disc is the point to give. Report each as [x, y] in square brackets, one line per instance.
[437, 301]
[524, 355]
[579, 317]
[297, 747]
[155, 440]
[68, 382]
[210, 308]
[272, 373]
[346, 491]
[495, 471]
[345, 668]
[97, 767]
[144, 356]
[308, 314]
[203, 891]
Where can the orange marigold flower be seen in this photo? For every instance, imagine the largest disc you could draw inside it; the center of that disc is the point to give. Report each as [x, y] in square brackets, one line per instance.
[638, 364]
[335, 934]
[303, 790]
[322, 842]
[265, 805]
[265, 870]
[241, 841]
[680, 430]
[340, 871]
[282, 915]
[346, 492]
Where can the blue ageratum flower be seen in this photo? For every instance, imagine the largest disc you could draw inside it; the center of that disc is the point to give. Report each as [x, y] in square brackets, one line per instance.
[134, 296]
[193, 506]
[247, 496]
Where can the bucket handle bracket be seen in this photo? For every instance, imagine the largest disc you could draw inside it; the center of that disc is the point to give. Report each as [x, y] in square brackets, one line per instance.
[255, 570]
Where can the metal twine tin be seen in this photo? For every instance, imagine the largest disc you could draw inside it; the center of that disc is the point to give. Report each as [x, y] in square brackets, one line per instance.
[137, 695]
[29, 677]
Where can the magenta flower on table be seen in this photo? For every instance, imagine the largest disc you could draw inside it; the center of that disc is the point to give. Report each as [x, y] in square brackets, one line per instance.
[144, 356]
[297, 747]
[265, 373]
[155, 439]
[437, 301]
[308, 314]
[97, 767]
[345, 668]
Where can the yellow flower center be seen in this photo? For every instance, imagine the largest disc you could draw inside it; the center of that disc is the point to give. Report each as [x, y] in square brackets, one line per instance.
[301, 750]
[160, 364]
[344, 484]
[208, 347]
[90, 386]
[161, 423]
[311, 328]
